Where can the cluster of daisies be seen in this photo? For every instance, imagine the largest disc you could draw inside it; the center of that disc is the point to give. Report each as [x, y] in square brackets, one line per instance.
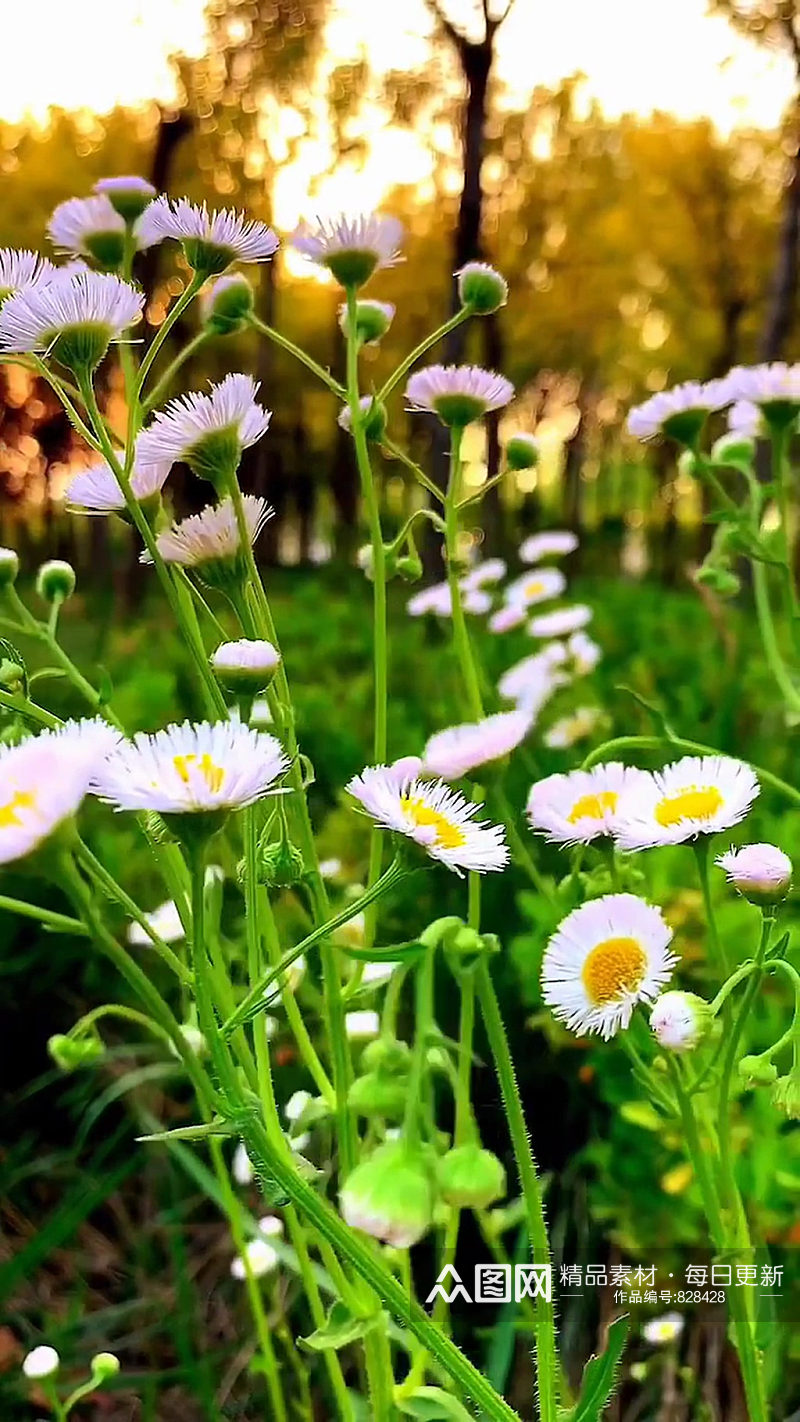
[613, 952]
[756, 398]
[524, 603]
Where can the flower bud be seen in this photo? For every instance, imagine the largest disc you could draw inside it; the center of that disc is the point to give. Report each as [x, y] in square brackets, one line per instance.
[758, 1071]
[734, 450]
[246, 666]
[13, 674]
[409, 567]
[55, 581]
[390, 1195]
[522, 452]
[104, 1366]
[719, 577]
[761, 872]
[69, 1053]
[471, 1177]
[374, 414]
[679, 1020]
[129, 196]
[9, 567]
[378, 1094]
[41, 1362]
[227, 305]
[387, 1055]
[481, 289]
[373, 319]
[786, 1095]
[280, 865]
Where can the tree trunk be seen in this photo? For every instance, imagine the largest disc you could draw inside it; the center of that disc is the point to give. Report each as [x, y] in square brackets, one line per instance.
[780, 314]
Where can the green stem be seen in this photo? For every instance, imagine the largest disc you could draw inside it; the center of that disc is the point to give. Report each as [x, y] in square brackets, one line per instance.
[108, 883]
[419, 474]
[729, 1063]
[546, 1360]
[703, 852]
[165, 380]
[59, 922]
[254, 997]
[423, 1016]
[306, 360]
[461, 640]
[380, 644]
[769, 638]
[184, 300]
[418, 351]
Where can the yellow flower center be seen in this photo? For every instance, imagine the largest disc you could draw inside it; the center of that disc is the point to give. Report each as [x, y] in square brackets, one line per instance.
[20, 800]
[696, 802]
[448, 835]
[534, 587]
[593, 807]
[214, 775]
[615, 966]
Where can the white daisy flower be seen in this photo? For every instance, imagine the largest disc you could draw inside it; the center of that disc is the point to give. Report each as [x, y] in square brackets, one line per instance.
[762, 872]
[242, 1166]
[262, 1259]
[507, 617]
[489, 570]
[352, 248]
[569, 730]
[561, 622]
[210, 431]
[330, 869]
[694, 795]
[439, 819]
[538, 672]
[192, 769]
[209, 540]
[95, 490]
[73, 317]
[555, 544]
[22, 269]
[437, 600]
[774, 383]
[92, 227]
[211, 240]
[604, 958]
[458, 394]
[680, 412]
[666, 1329]
[128, 194]
[44, 781]
[246, 665]
[583, 652]
[538, 585]
[582, 805]
[455, 752]
[746, 420]
[362, 1025]
[270, 1227]
[165, 921]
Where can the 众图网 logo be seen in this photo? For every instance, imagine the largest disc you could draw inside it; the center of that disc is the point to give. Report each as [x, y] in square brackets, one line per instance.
[495, 1283]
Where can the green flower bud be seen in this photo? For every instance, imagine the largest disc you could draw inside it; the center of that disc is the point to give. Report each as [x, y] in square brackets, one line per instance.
[128, 195]
[373, 319]
[69, 1053]
[246, 666]
[679, 1020]
[786, 1095]
[387, 1055]
[390, 1195]
[374, 416]
[734, 450]
[409, 567]
[104, 1366]
[280, 865]
[757, 1071]
[377, 1094]
[481, 289]
[12, 676]
[522, 452]
[55, 581]
[9, 567]
[719, 577]
[471, 1177]
[227, 305]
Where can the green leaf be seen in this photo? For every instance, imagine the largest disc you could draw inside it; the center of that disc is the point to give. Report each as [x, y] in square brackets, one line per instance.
[190, 1133]
[599, 1375]
[433, 1404]
[397, 953]
[641, 1113]
[341, 1327]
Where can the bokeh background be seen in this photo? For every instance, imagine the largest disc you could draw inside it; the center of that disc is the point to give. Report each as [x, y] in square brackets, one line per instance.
[632, 166]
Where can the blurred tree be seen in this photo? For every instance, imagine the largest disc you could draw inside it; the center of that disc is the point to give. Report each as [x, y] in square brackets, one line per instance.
[777, 23]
